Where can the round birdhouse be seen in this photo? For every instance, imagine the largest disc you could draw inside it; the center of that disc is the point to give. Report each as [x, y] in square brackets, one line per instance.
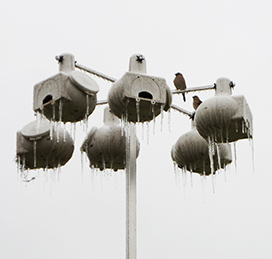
[192, 152]
[41, 145]
[224, 118]
[106, 146]
[138, 97]
[69, 96]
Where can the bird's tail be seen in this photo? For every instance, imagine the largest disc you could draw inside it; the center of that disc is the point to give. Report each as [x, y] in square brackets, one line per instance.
[184, 98]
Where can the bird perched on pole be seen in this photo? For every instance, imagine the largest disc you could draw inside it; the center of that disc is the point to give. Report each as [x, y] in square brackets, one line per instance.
[196, 101]
[180, 84]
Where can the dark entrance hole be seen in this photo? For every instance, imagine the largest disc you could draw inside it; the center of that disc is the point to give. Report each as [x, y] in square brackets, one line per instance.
[47, 99]
[145, 95]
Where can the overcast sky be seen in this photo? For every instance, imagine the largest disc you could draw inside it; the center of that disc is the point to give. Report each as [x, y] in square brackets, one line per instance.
[80, 216]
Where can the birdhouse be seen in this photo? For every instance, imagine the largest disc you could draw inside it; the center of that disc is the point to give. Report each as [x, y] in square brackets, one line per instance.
[138, 97]
[224, 118]
[68, 96]
[41, 145]
[106, 146]
[192, 152]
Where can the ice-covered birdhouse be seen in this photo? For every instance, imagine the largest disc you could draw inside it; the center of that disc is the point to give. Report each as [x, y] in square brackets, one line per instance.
[192, 152]
[138, 97]
[69, 96]
[43, 145]
[224, 118]
[106, 146]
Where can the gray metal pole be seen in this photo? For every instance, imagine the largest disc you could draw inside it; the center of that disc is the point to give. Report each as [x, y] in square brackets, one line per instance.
[131, 199]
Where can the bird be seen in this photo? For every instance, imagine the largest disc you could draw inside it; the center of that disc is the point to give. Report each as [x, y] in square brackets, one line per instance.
[180, 83]
[196, 101]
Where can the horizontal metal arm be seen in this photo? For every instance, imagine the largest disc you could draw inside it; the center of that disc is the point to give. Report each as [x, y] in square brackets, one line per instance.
[194, 89]
[101, 102]
[175, 107]
[94, 72]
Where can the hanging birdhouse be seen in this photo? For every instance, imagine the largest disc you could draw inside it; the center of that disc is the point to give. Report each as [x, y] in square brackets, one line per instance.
[192, 152]
[106, 146]
[224, 118]
[138, 97]
[69, 96]
[40, 145]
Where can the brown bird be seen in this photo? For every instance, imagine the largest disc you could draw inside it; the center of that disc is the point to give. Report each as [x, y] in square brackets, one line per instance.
[180, 84]
[196, 102]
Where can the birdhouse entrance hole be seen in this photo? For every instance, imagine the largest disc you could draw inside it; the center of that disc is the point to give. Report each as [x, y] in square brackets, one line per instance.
[145, 95]
[47, 99]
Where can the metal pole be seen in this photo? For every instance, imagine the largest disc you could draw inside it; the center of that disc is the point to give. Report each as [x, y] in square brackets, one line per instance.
[175, 107]
[94, 72]
[194, 89]
[131, 241]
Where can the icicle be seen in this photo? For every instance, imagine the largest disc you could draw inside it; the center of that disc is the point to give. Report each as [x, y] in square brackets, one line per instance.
[92, 176]
[203, 165]
[74, 133]
[251, 143]
[23, 164]
[18, 161]
[161, 117]
[218, 156]
[243, 126]
[138, 109]
[64, 132]
[58, 131]
[203, 182]
[142, 131]
[221, 135]
[235, 156]
[225, 173]
[236, 126]
[169, 120]
[248, 131]
[191, 177]
[60, 118]
[35, 153]
[58, 170]
[38, 121]
[184, 176]
[54, 112]
[60, 110]
[176, 173]
[42, 114]
[86, 115]
[81, 159]
[51, 129]
[154, 117]
[147, 132]
[227, 134]
[71, 129]
[211, 153]
[103, 163]
[122, 125]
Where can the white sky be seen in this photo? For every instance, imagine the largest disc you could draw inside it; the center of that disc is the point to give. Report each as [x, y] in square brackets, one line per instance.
[77, 217]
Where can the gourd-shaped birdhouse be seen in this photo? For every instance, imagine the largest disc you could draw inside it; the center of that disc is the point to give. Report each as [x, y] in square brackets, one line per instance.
[138, 97]
[41, 145]
[68, 96]
[192, 152]
[106, 146]
[224, 118]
